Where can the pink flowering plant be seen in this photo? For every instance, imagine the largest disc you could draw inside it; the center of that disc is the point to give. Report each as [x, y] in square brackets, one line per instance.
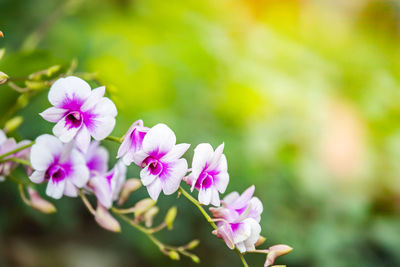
[72, 162]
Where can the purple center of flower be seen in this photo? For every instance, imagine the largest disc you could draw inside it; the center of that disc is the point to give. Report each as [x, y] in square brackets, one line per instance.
[155, 166]
[57, 172]
[205, 181]
[74, 119]
[235, 226]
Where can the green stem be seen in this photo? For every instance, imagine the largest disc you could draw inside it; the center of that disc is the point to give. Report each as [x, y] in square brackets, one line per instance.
[17, 160]
[16, 150]
[114, 139]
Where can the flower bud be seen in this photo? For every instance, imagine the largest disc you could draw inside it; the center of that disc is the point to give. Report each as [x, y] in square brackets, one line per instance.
[170, 217]
[276, 251]
[195, 259]
[131, 185]
[53, 70]
[13, 124]
[3, 78]
[149, 216]
[22, 100]
[174, 255]
[260, 241]
[38, 203]
[1, 34]
[105, 220]
[2, 51]
[142, 206]
[193, 244]
[35, 85]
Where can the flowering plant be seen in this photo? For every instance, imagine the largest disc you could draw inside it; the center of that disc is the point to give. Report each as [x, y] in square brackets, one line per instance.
[72, 165]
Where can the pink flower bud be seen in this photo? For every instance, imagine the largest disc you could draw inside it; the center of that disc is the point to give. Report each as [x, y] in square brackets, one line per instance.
[142, 206]
[105, 220]
[276, 251]
[131, 185]
[38, 203]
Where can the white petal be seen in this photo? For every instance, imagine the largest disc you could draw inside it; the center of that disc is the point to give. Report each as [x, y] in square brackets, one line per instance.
[146, 177]
[3, 137]
[241, 247]
[55, 189]
[170, 183]
[176, 152]
[256, 209]
[244, 198]
[43, 152]
[68, 88]
[231, 197]
[96, 158]
[64, 132]
[205, 196]
[102, 190]
[215, 197]
[53, 114]
[159, 138]
[70, 189]
[82, 139]
[216, 157]
[37, 177]
[139, 157]
[154, 189]
[95, 96]
[124, 147]
[221, 181]
[254, 234]
[242, 232]
[102, 127]
[104, 107]
[80, 174]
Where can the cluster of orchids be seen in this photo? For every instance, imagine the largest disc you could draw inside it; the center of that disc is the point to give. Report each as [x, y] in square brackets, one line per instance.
[74, 164]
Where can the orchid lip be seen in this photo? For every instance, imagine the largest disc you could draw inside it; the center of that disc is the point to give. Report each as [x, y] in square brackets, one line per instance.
[74, 119]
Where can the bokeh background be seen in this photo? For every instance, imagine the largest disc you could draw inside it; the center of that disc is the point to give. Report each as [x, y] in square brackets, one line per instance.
[304, 93]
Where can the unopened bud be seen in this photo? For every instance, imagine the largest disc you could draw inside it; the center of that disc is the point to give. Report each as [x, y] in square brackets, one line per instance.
[38, 203]
[105, 220]
[13, 124]
[142, 206]
[260, 241]
[53, 70]
[35, 85]
[193, 244]
[149, 216]
[170, 217]
[131, 185]
[195, 259]
[276, 251]
[1, 34]
[22, 100]
[3, 78]
[174, 255]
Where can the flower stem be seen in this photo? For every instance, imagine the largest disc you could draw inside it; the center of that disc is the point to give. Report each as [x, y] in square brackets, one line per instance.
[17, 160]
[87, 203]
[16, 150]
[114, 139]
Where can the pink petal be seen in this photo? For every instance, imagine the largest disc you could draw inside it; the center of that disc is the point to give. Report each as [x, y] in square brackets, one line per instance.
[102, 190]
[64, 132]
[53, 114]
[154, 189]
[55, 189]
[170, 184]
[95, 96]
[68, 88]
[159, 138]
[176, 152]
[202, 154]
[244, 198]
[43, 152]
[242, 232]
[96, 158]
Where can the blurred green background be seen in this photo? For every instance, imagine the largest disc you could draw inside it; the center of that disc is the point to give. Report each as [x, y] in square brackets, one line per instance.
[304, 93]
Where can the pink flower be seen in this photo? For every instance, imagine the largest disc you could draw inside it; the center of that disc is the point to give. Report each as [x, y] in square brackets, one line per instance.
[238, 220]
[209, 173]
[61, 165]
[107, 186]
[96, 159]
[161, 162]
[133, 140]
[79, 112]
[7, 145]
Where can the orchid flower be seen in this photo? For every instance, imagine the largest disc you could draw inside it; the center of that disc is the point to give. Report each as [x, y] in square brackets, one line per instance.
[161, 162]
[209, 173]
[107, 186]
[61, 165]
[96, 159]
[132, 142]
[79, 112]
[7, 145]
[238, 220]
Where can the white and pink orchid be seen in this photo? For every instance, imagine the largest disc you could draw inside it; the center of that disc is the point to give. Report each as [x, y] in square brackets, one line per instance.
[209, 173]
[79, 112]
[107, 186]
[132, 142]
[238, 220]
[161, 162]
[96, 159]
[61, 165]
